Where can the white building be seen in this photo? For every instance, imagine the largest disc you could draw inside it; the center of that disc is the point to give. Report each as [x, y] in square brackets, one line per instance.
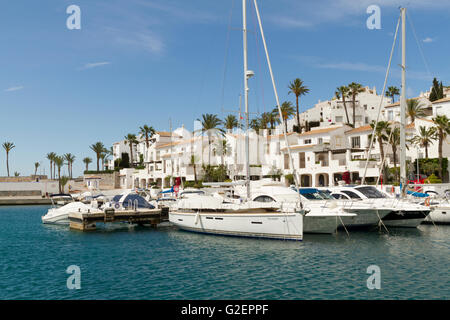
[332, 111]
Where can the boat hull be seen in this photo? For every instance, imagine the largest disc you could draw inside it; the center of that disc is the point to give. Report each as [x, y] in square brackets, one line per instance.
[365, 217]
[439, 215]
[283, 226]
[405, 219]
[320, 224]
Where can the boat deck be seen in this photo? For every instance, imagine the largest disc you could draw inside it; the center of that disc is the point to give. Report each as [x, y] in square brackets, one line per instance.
[87, 221]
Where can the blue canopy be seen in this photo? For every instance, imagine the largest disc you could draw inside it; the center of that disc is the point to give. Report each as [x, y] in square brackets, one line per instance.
[167, 191]
[141, 202]
[418, 194]
[308, 190]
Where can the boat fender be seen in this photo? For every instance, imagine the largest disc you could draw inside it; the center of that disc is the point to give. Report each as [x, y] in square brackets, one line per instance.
[197, 217]
[427, 202]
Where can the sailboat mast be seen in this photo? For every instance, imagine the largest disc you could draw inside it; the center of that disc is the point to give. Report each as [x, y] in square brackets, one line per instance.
[247, 160]
[403, 108]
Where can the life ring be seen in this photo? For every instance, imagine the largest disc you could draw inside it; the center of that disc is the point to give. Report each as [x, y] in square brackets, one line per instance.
[117, 205]
[427, 202]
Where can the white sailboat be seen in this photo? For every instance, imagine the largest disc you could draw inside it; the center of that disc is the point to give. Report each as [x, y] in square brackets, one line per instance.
[404, 214]
[213, 215]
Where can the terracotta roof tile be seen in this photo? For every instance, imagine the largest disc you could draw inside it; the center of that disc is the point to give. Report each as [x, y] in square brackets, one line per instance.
[360, 129]
[441, 100]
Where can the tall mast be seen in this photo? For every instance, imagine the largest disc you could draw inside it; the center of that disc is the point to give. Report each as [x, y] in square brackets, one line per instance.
[246, 77]
[403, 108]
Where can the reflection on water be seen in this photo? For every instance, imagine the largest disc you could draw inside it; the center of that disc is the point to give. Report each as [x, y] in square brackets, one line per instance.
[123, 261]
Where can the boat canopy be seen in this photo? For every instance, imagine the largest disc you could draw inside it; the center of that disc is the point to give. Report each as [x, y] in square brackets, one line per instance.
[167, 191]
[418, 194]
[132, 199]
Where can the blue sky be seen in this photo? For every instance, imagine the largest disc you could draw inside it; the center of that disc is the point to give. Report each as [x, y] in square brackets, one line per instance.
[138, 62]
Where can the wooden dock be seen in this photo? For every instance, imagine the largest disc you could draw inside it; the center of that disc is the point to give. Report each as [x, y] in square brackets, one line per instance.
[87, 221]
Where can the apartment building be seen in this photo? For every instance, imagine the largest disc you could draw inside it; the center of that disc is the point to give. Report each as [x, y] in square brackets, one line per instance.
[332, 112]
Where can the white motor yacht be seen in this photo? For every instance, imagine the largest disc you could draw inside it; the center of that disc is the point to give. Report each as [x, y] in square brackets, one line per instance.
[324, 213]
[59, 212]
[403, 213]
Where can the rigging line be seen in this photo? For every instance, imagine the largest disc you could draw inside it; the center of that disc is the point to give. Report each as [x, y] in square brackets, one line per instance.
[385, 155]
[227, 46]
[296, 178]
[381, 102]
[409, 18]
[258, 61]
[254, 33]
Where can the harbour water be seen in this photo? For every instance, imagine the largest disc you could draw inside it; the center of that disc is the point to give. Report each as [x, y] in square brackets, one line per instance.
[123, 262]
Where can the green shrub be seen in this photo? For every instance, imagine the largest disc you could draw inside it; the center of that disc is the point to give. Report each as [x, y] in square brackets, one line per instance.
[99, 172]
[290, 178]
[434, 179]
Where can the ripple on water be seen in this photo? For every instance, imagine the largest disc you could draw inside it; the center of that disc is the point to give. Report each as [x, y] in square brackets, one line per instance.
[136, 263]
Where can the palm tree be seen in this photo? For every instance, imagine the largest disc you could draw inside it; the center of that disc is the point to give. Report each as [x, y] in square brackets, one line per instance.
[354, 90]
[107, 153]
[231, 122]
[70, 158]
[265, 119]
[98, 148]
[131, 140]
[442, 130]
[59, 162]
[87, 161]
[51, 156]
[425, 138]
[148, 132]
[36, 166]
[298, 89]
[343, 91]
[210, 123]
[392, 92]
[221, 147]
[287, 110]
[8, 146]
[394, 141]
[193, 164]
[62, 182]
[273, 119]
[102, 158]
[414, 109]
[380, 135]
[255, 124]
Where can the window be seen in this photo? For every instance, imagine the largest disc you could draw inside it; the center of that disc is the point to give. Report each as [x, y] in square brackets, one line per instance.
[358, 118]
[340, 196]
[307, 141]
[366, 120]
[351, 194]
[264, 199]
[371, 192]
[339, 119]
[390, 115]
[365, 107]
[320, 140]
[356, 142]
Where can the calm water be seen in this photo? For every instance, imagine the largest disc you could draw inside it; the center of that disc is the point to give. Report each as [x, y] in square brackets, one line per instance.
[139, 263]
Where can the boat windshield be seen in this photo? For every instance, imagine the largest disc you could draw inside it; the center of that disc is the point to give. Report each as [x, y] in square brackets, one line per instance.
[371, 192]
[314, 194]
